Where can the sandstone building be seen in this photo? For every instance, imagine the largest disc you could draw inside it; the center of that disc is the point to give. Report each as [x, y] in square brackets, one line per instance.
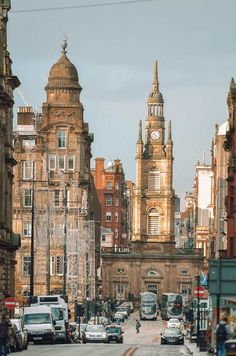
[110, 185]
[9, 241]
[152, 262]
[230, 147]
[55, 202]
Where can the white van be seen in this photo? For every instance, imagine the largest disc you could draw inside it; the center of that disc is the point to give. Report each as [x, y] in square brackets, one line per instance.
[60, 313]
[38, 321]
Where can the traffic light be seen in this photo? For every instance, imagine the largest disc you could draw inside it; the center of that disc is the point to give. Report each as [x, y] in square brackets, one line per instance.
[79, 310]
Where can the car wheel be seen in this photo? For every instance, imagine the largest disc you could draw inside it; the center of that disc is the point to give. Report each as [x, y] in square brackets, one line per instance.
[84, 342]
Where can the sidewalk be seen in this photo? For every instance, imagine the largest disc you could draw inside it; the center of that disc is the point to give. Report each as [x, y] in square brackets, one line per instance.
[194, 350]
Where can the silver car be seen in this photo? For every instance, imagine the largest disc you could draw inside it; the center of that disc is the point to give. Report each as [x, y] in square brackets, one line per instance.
[94, 333]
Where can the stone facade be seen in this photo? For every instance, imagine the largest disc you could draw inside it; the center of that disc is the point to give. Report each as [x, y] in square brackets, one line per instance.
[55, 201]
[151, 262]
[230, 147]
[219, 166]
[9, 242]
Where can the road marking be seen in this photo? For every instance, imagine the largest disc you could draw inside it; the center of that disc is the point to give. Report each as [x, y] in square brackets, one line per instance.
[130, 351]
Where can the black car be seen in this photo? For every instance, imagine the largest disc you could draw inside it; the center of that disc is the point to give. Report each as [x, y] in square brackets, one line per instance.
[172, 336]
[114, 333]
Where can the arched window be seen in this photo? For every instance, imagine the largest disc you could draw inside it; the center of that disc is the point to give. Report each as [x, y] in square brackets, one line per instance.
[153, 222]
[154, 180]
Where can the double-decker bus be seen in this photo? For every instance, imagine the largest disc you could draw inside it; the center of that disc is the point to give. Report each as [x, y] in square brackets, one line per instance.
[148, 306]
[171, 306]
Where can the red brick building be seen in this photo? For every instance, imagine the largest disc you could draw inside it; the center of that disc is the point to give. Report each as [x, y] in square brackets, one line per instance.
[230, 146]
[110, 183]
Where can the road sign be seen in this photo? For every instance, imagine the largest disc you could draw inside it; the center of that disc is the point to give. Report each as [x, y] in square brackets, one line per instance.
[200, 292]
[10, 303]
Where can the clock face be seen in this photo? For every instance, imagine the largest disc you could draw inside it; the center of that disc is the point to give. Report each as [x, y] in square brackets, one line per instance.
[155, 135]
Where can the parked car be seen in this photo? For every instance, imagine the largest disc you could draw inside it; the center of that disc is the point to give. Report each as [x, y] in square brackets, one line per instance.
[21, 331]
[15, 341]
[94, 333]
[119, 317]
[172, 336]
[114, 333]
[173, 323]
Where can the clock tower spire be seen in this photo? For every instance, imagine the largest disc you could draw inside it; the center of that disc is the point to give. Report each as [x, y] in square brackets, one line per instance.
[153, 197]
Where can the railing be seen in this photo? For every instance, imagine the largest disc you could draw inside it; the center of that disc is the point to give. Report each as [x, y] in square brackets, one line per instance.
[115, 250]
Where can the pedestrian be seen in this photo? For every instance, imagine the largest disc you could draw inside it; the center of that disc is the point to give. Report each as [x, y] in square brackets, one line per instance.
[4, 329]
[222, 334]
[137, 325]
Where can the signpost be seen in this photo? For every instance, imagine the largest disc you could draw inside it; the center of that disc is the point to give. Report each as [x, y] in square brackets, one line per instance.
[10, 303]
[200, 292]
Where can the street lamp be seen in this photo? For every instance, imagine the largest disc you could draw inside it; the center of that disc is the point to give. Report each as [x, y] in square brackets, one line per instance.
[32, 240]
[198, 308]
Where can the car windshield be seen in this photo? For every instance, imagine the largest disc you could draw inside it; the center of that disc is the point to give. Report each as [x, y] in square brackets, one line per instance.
[121, 309]
[42, 318]
[113, 329]
[57, 314]
[173, 321]
[172, 332]
[95, 328]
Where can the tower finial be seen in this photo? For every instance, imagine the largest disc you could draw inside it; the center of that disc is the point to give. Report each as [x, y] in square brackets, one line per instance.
[64, 45]
[155, 82]
[169, 137]
[140, 131]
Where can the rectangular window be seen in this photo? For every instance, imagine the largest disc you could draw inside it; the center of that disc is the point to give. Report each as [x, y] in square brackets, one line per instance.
[27, 170]
[116, 217]
[56, 199]
[117, 186]
[59, 265]
[116, 233]
[27, 230]
[52, 265]
[71, 163]
[61, 139]
[61, 163]
[154, 180]
[109, 185]
[68, 198]
[103, 238]
[117, 202]
[27, 198]
[108, 200]
[108, 216]
[52, 163]
[26, 265]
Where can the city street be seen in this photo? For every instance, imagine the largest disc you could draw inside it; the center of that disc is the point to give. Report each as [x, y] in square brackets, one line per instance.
[146, 343]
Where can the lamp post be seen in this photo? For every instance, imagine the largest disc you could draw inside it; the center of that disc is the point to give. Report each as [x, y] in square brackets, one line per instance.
[198, 308]
[64, 243]
[32, 240]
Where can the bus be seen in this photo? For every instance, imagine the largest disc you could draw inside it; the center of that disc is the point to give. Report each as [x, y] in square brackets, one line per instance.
[148, 306]
[171, 306]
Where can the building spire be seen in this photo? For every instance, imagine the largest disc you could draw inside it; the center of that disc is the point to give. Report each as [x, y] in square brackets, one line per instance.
[169, 137]
[140, 131]
[155, 82]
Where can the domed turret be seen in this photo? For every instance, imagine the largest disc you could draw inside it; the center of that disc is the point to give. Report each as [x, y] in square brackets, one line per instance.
[63, 74]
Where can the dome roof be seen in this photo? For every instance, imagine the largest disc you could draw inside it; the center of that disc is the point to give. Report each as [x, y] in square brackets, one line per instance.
[63, 74]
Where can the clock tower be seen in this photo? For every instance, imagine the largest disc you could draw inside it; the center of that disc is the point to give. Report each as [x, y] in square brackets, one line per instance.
[153, 197]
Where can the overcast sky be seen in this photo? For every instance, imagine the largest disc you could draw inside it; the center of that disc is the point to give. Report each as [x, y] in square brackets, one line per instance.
[114, 48]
